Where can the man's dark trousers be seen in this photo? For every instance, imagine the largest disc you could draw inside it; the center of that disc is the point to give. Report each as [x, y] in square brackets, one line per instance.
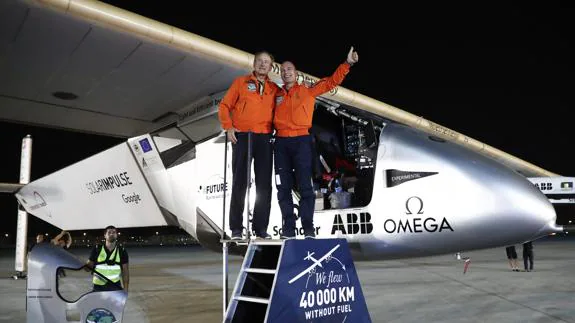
[262, 154]
[294, 153]
[528, 258]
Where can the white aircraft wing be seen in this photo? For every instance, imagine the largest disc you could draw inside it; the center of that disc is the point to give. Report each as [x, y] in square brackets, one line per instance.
[107, 188]
[62, 69]
[88, 66]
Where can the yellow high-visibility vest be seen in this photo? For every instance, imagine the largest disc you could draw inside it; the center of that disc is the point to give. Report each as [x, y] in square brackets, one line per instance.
[110, 268]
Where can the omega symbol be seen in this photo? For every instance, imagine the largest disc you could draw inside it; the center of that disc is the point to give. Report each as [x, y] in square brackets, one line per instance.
[408, 205]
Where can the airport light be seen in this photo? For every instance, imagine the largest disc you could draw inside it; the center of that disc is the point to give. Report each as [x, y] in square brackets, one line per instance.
[84, 234]
[6, 235]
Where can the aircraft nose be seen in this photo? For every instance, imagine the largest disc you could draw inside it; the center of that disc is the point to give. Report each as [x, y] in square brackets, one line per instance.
[528, 210]
[542, 212]
[486, 203]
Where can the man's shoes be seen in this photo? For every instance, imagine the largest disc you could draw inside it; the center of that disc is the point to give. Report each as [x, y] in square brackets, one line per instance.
[237, 236]
[287, 237]
[310, 235]
[264, 236]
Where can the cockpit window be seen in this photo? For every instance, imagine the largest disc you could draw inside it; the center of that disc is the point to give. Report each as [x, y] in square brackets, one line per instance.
[345, 153]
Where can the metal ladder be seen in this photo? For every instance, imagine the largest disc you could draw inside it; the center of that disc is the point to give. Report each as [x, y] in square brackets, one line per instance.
[254, 286]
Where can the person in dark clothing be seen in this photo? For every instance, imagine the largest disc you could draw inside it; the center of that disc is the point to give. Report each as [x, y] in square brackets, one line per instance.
[512, 257]
[528, 255]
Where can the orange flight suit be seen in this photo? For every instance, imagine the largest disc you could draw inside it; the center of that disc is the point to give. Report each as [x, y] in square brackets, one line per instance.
[250, 110]
[294, 108]
[251, 104]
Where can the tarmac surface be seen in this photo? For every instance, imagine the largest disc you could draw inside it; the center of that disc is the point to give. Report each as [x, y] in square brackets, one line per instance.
[184, 284]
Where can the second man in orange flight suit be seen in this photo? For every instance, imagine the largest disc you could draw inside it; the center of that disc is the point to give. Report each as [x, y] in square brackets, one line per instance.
[292, 148]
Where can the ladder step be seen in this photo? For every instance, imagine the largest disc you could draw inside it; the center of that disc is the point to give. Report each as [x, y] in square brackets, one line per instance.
[260, 271]
[243, 242]
[257, 242]
[252, 299]
[269, 242]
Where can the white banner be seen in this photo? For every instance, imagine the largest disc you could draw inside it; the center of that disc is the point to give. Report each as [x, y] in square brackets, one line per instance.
[554, 185]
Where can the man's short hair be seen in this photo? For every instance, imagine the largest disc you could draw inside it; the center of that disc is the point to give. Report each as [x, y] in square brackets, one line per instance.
[110, 227]
[264, 52]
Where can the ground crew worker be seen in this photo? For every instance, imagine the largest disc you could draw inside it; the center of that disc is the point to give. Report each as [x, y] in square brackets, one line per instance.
[528, 255]
[512, 257]
[64, 240]
[246, 108]
[39, 239]
[292, 148]
[111, 261]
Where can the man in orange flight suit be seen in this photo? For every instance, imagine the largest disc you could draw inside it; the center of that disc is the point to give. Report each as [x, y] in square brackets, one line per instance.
[292, 148]
[248, 107]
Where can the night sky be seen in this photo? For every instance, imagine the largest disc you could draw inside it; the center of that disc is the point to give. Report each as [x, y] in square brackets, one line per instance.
[501, 76]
